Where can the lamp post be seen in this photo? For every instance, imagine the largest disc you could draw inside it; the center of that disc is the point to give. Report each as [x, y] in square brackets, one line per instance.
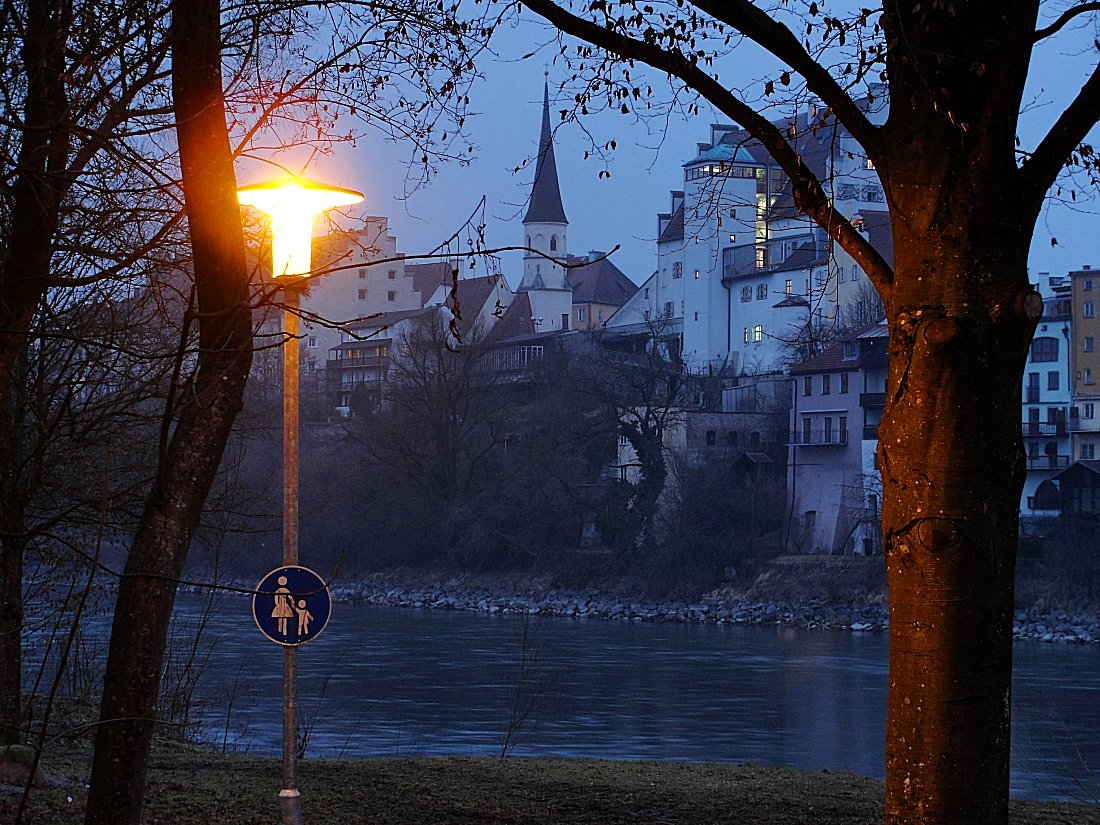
[292, 203]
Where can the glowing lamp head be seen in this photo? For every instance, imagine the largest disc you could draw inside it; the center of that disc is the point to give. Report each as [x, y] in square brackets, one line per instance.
[293, 203]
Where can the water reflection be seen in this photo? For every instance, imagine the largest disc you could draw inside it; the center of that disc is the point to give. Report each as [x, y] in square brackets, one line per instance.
[403, 682]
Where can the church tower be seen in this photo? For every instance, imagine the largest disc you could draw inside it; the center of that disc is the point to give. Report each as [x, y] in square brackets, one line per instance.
[545, 229]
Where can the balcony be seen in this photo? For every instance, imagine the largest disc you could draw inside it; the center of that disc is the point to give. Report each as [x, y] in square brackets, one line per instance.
[795, 251]
[1035, 429]
[1047, 462]
[363, 361]
[818, 438]
[870, 432]
[872, 400]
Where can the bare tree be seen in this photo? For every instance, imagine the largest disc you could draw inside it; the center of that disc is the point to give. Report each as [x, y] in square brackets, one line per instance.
[963, 198]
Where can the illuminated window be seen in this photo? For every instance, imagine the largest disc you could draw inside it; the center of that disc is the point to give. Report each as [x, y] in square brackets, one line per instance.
[746, 335]
[758, 333]
[788, 287]
[697, 274]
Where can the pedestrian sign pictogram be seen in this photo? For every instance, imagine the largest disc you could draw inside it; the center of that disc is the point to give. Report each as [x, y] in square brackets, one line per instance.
[291, 605]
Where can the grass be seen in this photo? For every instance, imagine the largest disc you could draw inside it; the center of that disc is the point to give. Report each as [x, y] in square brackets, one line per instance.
[189, 784]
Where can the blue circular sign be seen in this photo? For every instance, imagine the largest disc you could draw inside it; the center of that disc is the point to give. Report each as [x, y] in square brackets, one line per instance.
[291, 605]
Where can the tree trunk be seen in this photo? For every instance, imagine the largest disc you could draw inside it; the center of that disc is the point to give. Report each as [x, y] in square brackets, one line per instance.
[36, 196]
[952, 464]
[209, 405]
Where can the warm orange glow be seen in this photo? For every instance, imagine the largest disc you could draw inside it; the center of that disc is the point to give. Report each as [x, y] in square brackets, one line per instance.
[293, 203]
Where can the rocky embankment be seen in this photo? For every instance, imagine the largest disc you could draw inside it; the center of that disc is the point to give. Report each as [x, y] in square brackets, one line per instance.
[721, 607]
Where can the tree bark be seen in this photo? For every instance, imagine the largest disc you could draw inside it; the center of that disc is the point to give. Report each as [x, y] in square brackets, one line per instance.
[961, 316]
[208, 406]
[36, 196]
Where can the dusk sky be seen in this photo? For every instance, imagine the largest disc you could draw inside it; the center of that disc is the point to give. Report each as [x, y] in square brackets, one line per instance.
[646, 165]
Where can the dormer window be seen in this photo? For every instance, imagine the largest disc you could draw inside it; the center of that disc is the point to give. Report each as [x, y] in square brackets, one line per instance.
[851, 349]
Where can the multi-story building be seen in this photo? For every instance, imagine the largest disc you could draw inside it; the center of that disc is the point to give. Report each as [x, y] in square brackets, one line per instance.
[744, 275]
[1084, 286]
[833, 482]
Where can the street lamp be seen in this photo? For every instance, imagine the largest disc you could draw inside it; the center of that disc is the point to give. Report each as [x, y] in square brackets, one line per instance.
[292, 203]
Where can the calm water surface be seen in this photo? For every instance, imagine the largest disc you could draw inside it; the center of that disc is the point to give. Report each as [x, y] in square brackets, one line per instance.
[389, 681]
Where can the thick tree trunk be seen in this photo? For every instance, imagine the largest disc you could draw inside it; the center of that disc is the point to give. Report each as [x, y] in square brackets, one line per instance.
[951, 458]
[36, 194]
[208, 408]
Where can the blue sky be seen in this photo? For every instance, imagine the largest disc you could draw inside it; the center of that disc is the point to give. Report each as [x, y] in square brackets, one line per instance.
[646, 164]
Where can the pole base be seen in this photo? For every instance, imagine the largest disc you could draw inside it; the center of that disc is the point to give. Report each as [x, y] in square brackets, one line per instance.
[290, 808]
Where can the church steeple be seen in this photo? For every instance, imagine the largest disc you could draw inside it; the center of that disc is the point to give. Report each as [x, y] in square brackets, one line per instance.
[545, 224]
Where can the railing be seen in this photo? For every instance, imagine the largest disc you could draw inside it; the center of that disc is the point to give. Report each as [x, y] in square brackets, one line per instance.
[750, 259]
[1047, 462]
[1043, 503]
[819, 438]
[873, 400]
[1040, 429]
[363, 361]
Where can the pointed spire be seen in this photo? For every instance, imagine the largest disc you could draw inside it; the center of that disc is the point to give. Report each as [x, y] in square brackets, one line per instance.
[545, 206]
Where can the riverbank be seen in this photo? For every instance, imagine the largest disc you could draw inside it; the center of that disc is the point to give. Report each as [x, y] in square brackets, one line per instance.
[188, 784]
[834, 593]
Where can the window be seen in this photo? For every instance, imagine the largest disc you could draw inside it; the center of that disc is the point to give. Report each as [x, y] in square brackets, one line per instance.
[758, 333]
[392, 274]
[731, 438]
[1088, 309]
[851, 350]
[746, 335]
[842, 274]
[553, 243]
[807, 385]
[1089, 344]
[580, 313]
[1088, 375]
[1052, 380]
[529, 354]
[565, 320]
[761, 292]
[1088, 451]
[362, 295]
[647, 292]
[847, 192]
[843, 383]
[677, 269]
[622, 441]
[391, 296]
[788, 287]
[622, 473]
[1088, 410]
[872, 194]
[828, 430]
[807, 430]
[362, 274]
[1044, 349]
[696, 316]
[1087, 285]
[842, 429]
[826, 384]
[712, 438]
[746, 294]
[697, 274]
[669, 308]
[312, 341]
[599, 314]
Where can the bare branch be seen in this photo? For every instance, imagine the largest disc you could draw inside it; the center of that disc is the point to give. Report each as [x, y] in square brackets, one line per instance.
[1041, 169]
[1064, 18]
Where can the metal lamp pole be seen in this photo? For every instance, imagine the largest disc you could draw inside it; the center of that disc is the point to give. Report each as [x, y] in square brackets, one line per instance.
[292, 203]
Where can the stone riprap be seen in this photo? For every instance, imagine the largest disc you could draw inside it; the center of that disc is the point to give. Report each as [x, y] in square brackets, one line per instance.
[718, 608]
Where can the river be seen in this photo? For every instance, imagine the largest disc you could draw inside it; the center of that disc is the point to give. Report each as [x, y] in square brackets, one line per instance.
[403, 682]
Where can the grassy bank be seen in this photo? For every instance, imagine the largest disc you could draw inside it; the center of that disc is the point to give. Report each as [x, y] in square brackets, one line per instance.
[192, 785]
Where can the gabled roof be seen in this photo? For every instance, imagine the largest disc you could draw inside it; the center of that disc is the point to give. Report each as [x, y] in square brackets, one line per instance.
[387, 319]
[791, 301]
[599, 282]
[427, 277]
[473, 293]
[832, 359]
[516, 321]
[1079, 468]
[545, 206]
[724, 152]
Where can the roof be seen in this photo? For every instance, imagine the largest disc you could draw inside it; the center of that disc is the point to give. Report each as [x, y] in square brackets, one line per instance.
[427, 277]
[472, 295]
[791, 301]
[832, 359]
[1091, 465]
[599, 282]
[723, 151]
[545, 206]
[516, 320]
[387, 319]
[674, 230]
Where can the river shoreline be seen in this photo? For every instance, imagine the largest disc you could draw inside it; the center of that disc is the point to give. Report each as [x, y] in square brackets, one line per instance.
[498, 595]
